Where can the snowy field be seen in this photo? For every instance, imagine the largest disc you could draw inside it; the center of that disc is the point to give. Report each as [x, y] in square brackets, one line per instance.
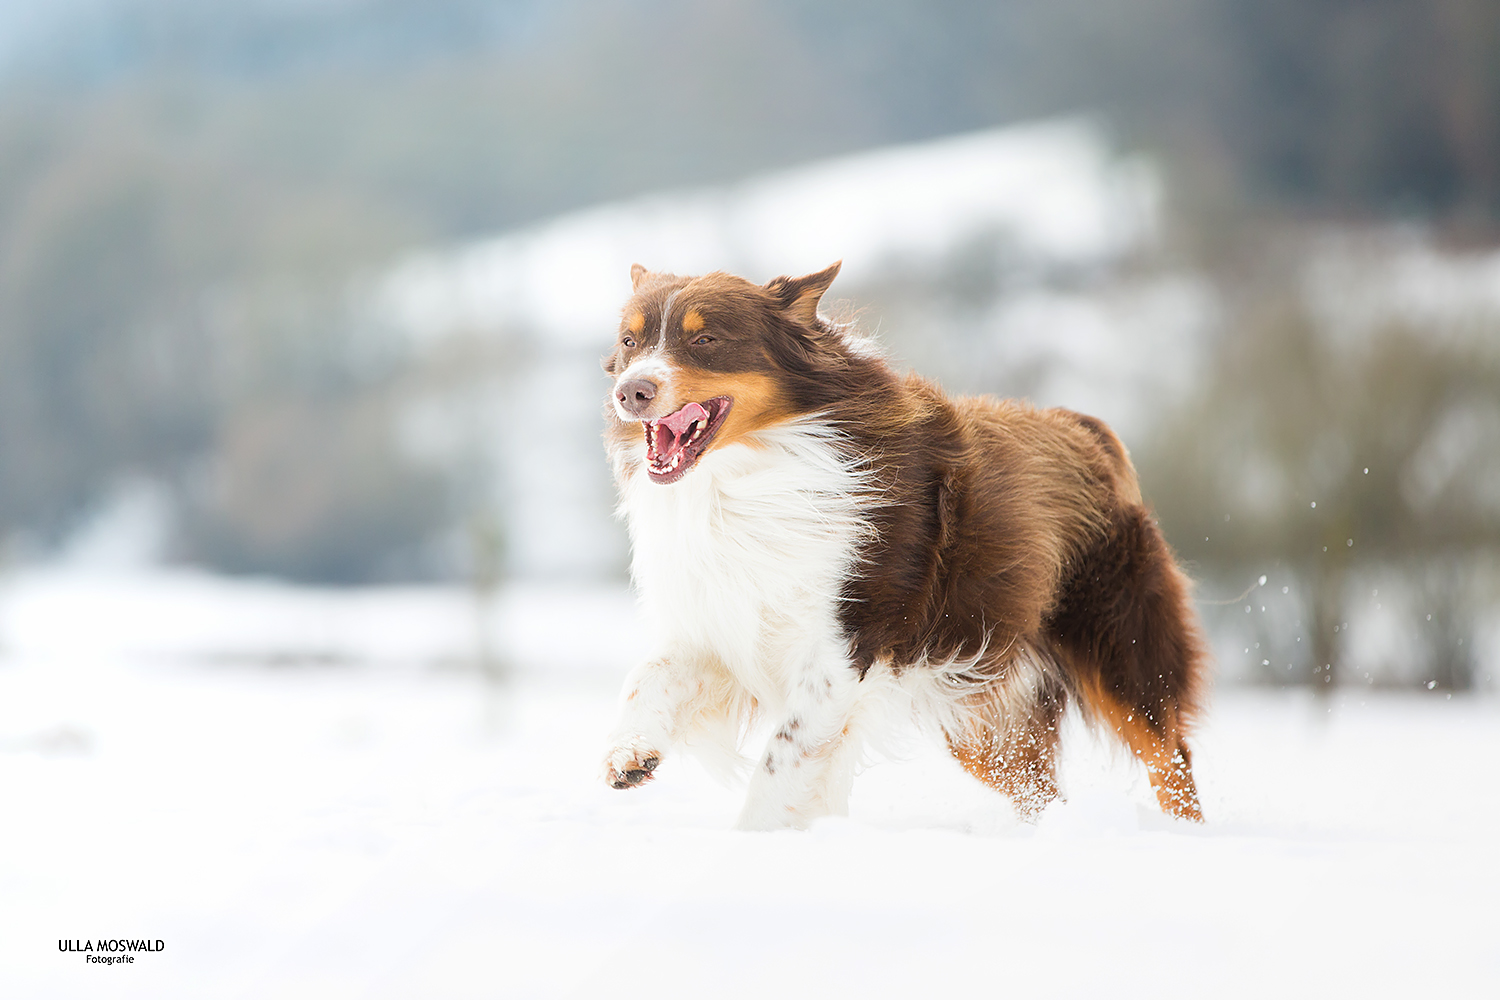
[314, 794]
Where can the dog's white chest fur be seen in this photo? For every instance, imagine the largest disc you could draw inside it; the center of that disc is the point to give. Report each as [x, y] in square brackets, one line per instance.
[740, 564]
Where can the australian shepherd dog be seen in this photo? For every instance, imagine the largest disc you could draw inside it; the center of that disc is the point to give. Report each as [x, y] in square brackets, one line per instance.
[817, 538]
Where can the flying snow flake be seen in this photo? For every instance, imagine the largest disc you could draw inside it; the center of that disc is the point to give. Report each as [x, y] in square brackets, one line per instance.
[1262, 579]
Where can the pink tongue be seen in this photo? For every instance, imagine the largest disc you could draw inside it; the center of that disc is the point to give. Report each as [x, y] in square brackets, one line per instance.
[683, 418]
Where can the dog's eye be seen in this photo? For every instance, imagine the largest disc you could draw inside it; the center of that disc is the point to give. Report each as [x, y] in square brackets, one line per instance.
[705, 339]
[628, 341]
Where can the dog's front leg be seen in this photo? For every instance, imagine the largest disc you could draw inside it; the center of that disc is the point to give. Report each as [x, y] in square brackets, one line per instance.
[655, 704]
[808, 765]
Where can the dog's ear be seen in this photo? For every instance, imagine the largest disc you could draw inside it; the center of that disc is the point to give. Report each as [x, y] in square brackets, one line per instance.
[638, 273]
[799, 296]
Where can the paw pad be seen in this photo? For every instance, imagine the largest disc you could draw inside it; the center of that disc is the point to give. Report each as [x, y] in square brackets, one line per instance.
[635, 771]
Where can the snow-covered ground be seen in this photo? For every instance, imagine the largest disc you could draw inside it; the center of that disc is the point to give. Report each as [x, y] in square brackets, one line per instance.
[314, 794]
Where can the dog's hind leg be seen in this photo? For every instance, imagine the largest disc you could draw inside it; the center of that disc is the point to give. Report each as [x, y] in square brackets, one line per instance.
[1009, 740]
[1159, 746]
[1127, 634]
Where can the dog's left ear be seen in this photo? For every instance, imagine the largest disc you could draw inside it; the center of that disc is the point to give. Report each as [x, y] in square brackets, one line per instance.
[799, 296]
[638, 274]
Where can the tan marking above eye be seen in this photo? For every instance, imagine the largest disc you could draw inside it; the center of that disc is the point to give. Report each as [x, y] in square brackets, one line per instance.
[637, 322]
[693, 321]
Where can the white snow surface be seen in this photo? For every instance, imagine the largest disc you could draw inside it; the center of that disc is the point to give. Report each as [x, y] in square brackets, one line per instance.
[307, 793]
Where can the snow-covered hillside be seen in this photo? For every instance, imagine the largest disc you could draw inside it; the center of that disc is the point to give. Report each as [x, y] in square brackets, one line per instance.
[1031, 201]
[309, 794]
[1054, 191]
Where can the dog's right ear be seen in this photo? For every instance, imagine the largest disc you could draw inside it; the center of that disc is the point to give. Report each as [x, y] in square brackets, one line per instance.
[638, 274]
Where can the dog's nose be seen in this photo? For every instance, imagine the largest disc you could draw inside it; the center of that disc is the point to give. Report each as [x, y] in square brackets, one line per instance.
[635, 395]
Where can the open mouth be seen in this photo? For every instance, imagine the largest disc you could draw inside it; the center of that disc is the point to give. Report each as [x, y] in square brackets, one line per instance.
[674, 442]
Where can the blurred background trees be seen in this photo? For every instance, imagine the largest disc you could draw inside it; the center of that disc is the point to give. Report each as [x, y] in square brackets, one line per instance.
[1343, 462]
[193, 196]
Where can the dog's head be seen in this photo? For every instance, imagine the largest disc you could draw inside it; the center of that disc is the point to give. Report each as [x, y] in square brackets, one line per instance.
[702, 363]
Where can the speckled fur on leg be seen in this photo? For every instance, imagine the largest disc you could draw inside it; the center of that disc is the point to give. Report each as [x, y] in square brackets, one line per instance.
[1011, 740]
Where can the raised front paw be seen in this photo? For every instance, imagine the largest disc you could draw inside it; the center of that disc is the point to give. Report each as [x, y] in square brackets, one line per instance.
[629, 766]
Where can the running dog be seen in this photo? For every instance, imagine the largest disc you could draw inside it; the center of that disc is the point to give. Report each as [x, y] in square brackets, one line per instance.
[817, 538]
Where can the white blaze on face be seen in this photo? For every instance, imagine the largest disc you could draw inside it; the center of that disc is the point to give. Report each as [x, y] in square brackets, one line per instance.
[666, 314]
[654, 368]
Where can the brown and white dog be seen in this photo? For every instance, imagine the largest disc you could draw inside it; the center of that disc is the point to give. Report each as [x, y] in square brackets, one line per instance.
[817, 538]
